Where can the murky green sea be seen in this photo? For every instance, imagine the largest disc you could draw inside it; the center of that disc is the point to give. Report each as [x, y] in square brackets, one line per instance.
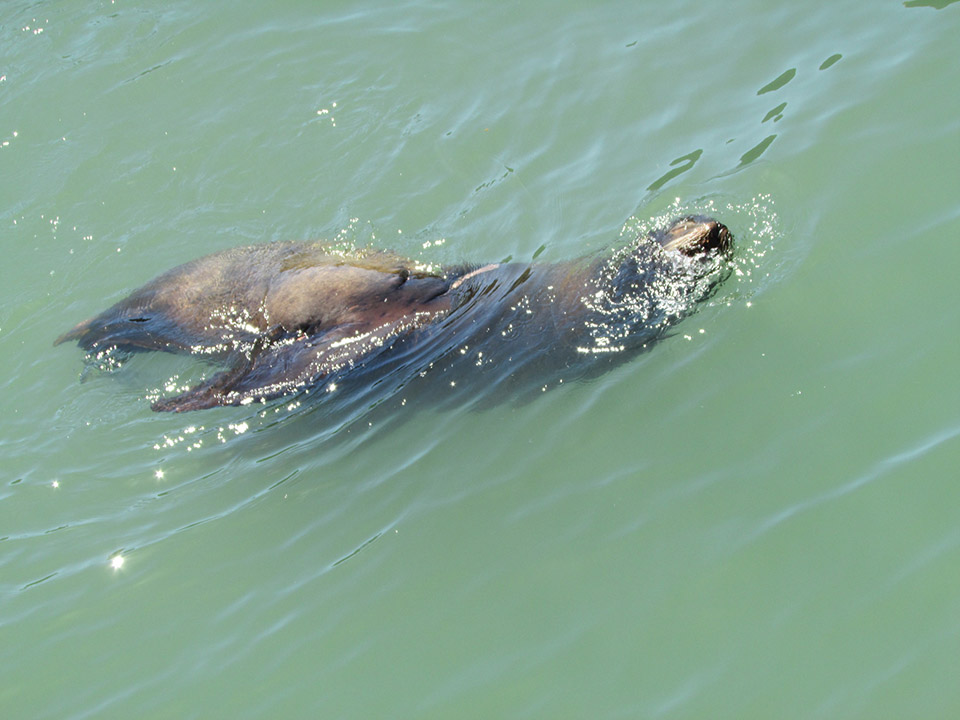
[759, 518]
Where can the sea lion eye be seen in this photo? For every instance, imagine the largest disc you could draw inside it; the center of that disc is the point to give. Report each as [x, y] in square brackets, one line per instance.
[138, 319]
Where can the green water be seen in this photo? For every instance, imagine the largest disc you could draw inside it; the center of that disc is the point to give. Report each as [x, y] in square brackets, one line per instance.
[760, 518]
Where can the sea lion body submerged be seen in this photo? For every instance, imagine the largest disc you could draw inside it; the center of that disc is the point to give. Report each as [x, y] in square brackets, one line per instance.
[288, 317]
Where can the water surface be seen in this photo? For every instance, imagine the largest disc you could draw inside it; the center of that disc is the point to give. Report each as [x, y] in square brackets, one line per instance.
[757, 518]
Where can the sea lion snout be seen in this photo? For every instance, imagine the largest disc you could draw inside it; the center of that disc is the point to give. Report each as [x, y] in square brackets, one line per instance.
[695, 234]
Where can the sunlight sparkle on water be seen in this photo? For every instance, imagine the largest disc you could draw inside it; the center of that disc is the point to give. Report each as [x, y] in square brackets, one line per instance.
[116, 562]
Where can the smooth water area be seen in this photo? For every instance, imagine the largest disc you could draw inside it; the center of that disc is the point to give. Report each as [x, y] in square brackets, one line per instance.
[759, 517]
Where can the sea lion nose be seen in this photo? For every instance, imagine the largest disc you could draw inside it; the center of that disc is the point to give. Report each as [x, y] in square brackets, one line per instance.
[716, 236]
[696, 234]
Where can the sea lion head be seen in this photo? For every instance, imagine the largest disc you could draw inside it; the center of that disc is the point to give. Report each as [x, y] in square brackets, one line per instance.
[652, 284]
[694, 235]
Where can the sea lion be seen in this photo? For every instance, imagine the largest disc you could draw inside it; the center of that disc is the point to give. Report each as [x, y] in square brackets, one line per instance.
[289, 317]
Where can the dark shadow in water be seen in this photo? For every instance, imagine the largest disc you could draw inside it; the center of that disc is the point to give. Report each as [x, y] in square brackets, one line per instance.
[685, 163]
[756, 151]
[935, 4]
[775, 114]
[779, 82]
[830, 61]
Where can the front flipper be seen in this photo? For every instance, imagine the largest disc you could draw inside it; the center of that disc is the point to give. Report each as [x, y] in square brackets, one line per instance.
[289, 365]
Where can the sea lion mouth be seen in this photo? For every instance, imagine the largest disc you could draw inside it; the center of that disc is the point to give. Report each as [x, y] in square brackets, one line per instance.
[694, 235]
